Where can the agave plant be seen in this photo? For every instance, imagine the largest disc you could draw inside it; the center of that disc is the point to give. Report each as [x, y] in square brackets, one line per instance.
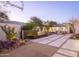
[9, 31]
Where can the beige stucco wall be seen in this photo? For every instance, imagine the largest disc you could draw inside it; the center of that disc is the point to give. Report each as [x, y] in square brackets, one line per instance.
[17, 29]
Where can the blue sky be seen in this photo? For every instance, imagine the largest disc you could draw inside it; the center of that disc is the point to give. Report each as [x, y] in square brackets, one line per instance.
[59, 11]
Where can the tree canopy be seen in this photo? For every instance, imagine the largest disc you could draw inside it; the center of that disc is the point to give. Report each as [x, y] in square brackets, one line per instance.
[9, 3]
[3, 16]
[37, 20]
[29, 26]
[52, 23]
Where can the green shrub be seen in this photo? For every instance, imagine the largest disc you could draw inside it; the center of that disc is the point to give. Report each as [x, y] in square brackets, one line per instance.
[9, 31]
[29, 26]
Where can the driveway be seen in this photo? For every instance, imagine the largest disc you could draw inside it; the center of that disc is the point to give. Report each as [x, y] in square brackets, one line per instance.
[53, 45]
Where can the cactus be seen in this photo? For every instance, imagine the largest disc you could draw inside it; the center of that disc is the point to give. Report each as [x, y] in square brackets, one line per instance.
[9, 31]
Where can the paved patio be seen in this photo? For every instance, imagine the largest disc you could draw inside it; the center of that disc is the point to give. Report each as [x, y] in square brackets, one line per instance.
[53, 45]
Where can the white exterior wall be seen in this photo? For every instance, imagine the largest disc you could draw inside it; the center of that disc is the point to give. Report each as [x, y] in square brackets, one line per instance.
[17, 29]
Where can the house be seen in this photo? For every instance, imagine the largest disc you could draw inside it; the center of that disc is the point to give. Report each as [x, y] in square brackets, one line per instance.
[15, 24]
[60, 28]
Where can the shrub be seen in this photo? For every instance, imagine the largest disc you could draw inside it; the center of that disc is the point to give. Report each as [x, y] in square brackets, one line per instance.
[77, 36]
[29, 26]
[6, 44]
[9, 31]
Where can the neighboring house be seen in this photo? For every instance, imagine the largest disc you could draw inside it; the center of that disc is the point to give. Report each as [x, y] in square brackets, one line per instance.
[60, 28]
[16, 25]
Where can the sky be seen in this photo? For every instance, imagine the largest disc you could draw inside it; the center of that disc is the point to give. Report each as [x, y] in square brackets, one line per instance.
[59, 11]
